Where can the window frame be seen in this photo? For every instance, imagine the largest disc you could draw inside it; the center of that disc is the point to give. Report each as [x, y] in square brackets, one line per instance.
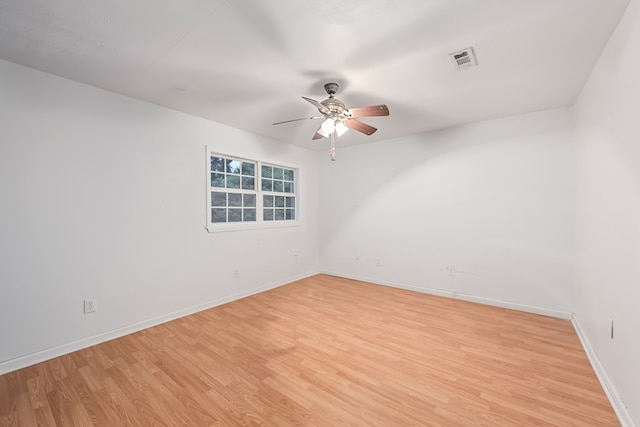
[259, 223]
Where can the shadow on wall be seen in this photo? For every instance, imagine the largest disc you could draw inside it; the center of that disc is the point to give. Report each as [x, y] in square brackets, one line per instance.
[412, 177]
[493, 199]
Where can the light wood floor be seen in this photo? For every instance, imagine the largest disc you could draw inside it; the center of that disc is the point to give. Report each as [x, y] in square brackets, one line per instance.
[322, 351]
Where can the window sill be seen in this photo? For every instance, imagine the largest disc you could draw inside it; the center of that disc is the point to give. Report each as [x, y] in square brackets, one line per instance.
[221, 228]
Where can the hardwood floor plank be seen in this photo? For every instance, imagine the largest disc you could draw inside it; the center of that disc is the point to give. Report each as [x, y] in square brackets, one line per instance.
[121, 406]
[25, 410]
[317, 352]
[7, 395]
[79, 416]
[198, 407]
[44, 417]
[115, 413]
[90, 404]
[59, 410]
[37, 392]
[10, 420]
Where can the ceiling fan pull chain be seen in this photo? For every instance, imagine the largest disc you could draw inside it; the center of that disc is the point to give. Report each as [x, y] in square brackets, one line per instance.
[332, 152]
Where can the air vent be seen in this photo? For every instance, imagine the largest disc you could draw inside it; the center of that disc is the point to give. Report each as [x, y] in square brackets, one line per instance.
[463, 59]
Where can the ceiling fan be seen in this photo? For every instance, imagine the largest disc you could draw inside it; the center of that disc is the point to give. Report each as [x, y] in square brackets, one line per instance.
[337, 118]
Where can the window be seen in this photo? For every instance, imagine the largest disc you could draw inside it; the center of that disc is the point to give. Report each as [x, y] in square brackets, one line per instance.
[243, 193]
[278, 197]
[233, 185]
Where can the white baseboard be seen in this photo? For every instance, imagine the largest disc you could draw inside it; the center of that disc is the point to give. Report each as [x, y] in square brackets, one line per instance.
[456, 295]
[50, 353]
[616, 401]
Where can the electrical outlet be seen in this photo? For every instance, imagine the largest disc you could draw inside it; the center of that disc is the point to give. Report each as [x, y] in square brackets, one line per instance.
[90, 306]
[377, 262]
[236, 273]
[295, 258]
[451, 269]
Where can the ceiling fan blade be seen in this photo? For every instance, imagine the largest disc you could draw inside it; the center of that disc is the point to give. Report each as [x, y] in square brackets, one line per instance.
[373, 110]
[359, 126]
[319, 106]
[295, 120]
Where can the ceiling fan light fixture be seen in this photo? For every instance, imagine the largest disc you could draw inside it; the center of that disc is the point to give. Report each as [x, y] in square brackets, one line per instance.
[341, 128]
[323, 133]
[328, 126]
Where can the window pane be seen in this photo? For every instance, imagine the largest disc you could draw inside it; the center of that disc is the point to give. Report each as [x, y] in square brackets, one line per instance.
[248, 169]
[249, 200]
[248, 183]
[217, 180]
[233, 181]
[233, 166]
[217, 164]
[235, 215]
[218, 199]
[235, 189]
[218, 215]
[235, 199]
[291, 202]
[248, 215]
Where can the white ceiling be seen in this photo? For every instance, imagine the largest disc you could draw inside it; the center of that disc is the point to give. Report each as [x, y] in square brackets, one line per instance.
[246, 63]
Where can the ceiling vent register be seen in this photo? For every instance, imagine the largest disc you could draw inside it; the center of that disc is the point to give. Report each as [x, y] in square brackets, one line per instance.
[463, 59]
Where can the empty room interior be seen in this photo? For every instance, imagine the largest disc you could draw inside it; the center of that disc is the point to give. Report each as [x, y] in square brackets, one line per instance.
[325, 213]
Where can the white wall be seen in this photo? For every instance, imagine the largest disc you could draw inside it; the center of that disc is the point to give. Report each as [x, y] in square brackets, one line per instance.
[607, 209]
[493, 199]
[103, 196]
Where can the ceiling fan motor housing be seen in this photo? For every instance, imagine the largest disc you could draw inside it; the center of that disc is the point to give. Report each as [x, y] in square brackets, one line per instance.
[334, 105]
